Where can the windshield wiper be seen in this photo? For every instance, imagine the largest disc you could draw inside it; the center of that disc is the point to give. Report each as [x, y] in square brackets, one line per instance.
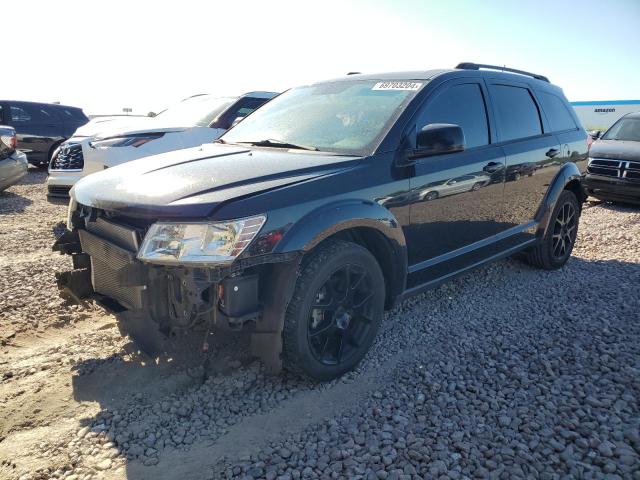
[280, 144]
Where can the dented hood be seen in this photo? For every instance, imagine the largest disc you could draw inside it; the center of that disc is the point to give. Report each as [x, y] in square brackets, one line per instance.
[191, 183]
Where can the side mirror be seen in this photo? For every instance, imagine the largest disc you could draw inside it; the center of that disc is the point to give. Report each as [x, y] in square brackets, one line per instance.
[595, 134]
[439, 138]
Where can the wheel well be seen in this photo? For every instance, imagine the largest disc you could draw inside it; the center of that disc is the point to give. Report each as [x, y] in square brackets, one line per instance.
[381, 249]
[576, 187]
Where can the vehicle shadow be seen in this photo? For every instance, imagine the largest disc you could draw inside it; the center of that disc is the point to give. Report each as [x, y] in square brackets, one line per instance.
[11, 203]
[152, 413]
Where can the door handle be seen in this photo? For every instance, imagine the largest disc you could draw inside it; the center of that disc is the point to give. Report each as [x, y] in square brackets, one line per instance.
[492, 167]
[552, 152]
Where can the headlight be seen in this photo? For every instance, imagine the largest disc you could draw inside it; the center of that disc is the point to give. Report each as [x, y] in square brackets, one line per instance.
[72, 208]
[199, 243]
[125, 140]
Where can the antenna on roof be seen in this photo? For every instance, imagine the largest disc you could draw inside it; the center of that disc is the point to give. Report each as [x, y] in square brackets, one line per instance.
[354, 73]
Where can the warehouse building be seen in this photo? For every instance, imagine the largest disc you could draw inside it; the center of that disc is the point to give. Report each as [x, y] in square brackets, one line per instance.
[600, 115]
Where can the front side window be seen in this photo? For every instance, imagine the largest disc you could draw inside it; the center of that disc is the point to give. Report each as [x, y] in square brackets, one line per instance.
[627, 129]
[348, 116]
[461, 105]
[516, 112]
[559, 117]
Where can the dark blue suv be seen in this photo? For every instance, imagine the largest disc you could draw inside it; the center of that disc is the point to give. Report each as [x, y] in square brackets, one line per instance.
[328, 205]
[40, 127]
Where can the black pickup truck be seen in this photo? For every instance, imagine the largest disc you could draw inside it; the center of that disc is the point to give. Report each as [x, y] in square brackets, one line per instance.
[308, 217]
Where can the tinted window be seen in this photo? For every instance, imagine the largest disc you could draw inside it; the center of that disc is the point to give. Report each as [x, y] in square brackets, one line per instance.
[557, 113]
[1, 114]
[19, 114]
[26, 112]
[46, 114]
[516, 112]
[461, 105]
[72, 114]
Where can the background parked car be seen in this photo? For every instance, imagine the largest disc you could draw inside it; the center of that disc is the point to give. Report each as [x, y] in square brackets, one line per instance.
[40, 127]
[67, 160]
[13, 163]
[192, 122]
[613, 172]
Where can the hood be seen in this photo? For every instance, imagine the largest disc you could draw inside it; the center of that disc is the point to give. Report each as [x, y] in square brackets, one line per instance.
[615, 150]
[194, 181]
[99, 124]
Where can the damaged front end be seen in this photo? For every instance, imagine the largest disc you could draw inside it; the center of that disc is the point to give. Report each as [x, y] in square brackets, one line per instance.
[154, 303]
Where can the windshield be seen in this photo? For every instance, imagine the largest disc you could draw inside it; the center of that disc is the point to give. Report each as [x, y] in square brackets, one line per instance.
[345, 117]
[624, 129]
[197, 111]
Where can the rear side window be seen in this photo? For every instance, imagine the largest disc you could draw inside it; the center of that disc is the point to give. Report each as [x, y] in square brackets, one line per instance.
[516, 113]
[461, 105]
[559, 117]
[32, 112]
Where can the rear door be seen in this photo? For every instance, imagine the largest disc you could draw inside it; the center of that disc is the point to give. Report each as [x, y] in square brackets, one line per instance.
[532, 153]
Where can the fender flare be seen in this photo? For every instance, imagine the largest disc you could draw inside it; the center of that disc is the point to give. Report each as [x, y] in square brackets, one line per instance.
[330, 219]
[568, 172]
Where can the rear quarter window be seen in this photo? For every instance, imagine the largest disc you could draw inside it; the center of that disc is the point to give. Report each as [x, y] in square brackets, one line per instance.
[72, 114]
[556, 111]
[516, 113]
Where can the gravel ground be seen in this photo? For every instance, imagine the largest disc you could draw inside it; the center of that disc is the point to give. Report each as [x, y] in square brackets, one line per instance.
[507, 372]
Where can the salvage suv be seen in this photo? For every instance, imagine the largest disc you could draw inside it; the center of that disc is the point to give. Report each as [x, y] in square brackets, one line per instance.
[306, 219]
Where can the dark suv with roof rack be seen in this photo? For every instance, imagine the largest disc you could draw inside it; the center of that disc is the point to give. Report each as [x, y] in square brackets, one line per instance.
[613, 172]
[307, 219]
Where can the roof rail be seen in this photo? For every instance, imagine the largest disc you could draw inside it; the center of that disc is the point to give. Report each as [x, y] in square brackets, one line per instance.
[478, 66]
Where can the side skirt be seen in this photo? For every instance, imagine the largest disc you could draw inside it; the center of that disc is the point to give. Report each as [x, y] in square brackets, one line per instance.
[418, 289]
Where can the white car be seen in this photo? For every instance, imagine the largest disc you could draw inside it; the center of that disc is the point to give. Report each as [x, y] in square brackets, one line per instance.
[192, 122]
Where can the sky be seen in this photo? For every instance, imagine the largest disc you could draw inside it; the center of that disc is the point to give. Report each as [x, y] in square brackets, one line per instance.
[104, 55]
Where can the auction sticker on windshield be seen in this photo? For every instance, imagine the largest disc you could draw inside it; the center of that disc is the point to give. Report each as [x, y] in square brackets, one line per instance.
[397, 86]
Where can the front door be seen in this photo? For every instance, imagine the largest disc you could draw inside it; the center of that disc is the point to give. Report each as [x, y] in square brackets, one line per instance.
[457, 197]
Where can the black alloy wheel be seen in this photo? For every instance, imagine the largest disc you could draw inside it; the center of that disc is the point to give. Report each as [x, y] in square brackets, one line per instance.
[340, 317]
[556, 246]
[335, 312]
[564, 230]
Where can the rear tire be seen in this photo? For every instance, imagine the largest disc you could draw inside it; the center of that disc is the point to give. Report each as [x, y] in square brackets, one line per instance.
[335, 312]
[557, 244]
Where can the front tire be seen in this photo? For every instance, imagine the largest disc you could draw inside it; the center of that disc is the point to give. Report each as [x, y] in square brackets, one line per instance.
[335, 312]
[560, 237]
